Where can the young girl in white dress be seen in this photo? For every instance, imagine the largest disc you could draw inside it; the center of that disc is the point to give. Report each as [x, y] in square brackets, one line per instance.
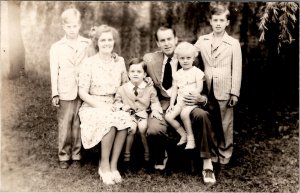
[187, 80]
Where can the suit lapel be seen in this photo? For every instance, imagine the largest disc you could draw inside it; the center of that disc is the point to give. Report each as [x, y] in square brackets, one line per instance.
[157, 66]
[224, 44]
[207, 46]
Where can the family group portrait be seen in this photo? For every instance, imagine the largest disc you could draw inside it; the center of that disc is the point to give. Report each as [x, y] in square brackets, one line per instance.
[149, 96]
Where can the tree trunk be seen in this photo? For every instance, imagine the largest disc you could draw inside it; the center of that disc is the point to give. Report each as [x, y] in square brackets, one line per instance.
[16, 46]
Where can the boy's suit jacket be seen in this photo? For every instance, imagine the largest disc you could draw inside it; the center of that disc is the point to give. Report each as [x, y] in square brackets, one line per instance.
[64, 67]
[147, 97]
[225, 68]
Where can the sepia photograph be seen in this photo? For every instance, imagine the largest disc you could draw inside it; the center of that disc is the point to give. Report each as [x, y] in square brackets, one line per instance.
[149, 96]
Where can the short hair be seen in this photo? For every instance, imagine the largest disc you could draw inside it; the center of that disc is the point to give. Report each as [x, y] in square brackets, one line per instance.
[218, 10]
[69, 14]
[137, 61]
[96, 32]
[162, 28]
[184, 47]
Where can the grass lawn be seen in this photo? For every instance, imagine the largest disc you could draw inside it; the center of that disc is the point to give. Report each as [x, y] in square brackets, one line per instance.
[262, 162]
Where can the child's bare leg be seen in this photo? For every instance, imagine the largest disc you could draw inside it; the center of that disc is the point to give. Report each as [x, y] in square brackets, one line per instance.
[142, 125]
[129, 142]
[185, 117]
[170, 117]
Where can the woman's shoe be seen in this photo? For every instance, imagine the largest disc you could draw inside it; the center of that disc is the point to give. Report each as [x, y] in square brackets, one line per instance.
[116, 176]
[106, 177]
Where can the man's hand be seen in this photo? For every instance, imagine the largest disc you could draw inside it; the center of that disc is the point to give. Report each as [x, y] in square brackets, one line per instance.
[194, 99]
[232, 101]
[156, 114]
[55, 101]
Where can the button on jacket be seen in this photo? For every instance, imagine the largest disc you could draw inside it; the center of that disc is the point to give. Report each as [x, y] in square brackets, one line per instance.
[147, 97]
[224, 66]
[65, 61]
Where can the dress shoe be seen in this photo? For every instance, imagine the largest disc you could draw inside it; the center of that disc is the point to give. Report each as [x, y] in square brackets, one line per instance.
[64, 164]
[76, 164]
[208, 176]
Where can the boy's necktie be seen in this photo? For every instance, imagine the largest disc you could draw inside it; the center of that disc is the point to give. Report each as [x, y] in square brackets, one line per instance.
[167, 80]
[135, 90]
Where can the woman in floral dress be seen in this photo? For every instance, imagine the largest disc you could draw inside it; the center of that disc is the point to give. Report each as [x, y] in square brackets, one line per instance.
[100, 76]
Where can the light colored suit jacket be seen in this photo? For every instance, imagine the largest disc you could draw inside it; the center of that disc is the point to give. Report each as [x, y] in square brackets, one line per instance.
[225, 68]
[64, 67]
[147, 97]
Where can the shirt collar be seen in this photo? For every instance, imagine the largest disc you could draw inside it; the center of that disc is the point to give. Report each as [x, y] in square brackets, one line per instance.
[64, 40]
[166, 58]
[141, 86]
[225, 37]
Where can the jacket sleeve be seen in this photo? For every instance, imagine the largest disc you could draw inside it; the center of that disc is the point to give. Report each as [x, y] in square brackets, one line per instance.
[236, 69]
[54, 65]
[155, 104]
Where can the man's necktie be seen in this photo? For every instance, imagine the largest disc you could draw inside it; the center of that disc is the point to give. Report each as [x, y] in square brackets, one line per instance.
[135, 90]
[167, 80]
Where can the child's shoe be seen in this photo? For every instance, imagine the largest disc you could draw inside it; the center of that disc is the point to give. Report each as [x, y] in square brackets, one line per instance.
[182, 133]
[182, 140]
[190, 142]
[64, 164]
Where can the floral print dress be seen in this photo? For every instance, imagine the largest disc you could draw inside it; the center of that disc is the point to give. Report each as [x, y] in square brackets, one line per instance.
[102, 81]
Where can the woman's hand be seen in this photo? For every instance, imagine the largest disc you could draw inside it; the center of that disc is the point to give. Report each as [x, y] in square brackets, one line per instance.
[194, 99]
[149, 81]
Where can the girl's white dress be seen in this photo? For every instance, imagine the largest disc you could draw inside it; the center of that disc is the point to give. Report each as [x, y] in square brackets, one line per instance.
[102, 81]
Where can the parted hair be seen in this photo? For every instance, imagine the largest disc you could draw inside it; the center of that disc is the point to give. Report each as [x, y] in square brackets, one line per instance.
[137, 61]
[96, 32]
[218, 9]
[162, 28]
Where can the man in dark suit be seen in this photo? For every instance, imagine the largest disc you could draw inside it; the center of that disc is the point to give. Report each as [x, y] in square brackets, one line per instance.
[160, 67]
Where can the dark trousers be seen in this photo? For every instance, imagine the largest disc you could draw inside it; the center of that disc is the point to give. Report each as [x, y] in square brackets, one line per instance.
[162, 137]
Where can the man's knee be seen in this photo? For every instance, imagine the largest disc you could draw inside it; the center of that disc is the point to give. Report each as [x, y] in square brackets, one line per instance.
[199, 114]
[156, 127]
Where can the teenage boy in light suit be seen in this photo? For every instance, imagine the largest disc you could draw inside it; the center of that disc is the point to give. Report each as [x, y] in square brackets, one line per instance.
[160, 67]
[222, 60]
